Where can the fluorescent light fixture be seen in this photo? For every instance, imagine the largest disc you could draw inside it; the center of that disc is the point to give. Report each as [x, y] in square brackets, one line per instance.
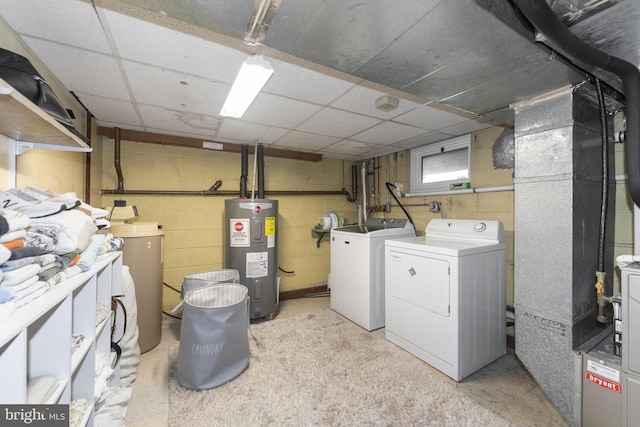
[253, 75]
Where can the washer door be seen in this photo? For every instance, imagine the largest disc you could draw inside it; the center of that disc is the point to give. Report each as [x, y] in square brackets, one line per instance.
[420, 280]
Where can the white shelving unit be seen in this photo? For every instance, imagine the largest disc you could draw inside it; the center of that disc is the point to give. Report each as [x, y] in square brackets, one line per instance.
[36, 339]
[26, 123]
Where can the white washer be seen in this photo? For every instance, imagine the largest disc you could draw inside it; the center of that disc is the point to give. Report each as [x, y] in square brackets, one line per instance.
[445, 294]
[357, 269]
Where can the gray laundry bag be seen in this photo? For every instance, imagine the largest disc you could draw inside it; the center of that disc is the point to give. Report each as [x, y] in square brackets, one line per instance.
[196, 280]
[214, 341]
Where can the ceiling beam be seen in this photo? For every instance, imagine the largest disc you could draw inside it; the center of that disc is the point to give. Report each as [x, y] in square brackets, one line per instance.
[158, 138]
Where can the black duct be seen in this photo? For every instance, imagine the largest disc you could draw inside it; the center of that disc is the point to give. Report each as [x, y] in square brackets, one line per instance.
[260, 154]
[244, 172]
[562, 39]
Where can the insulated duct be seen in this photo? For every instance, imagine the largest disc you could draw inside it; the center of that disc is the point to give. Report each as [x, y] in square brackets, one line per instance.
[561, 38]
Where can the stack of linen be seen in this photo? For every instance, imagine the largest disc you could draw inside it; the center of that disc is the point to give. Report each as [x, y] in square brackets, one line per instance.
[45, 239]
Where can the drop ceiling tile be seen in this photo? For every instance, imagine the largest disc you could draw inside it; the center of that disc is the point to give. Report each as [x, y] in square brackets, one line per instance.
[277, 111]
[241, 131]
[363, 101]
[79, 26]
[111, 110]
[305, 141]
[330, 121]
[165, 88]
[387, 133]
[430, 118]
[79, 69]
[158, 119]
[465, 128]
[423, 139]
[306, 85]
[383, 151]
[272, 135]
[152, 44]
[350, 147]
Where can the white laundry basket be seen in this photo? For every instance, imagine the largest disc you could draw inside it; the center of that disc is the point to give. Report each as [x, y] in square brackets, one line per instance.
[214, 342]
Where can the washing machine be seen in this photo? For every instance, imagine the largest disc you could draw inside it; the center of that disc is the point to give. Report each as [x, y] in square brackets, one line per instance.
[445, 294]
[357, 275]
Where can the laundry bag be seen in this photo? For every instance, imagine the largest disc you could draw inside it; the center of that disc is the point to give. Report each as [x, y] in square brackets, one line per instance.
[193, 281]
[214, 341]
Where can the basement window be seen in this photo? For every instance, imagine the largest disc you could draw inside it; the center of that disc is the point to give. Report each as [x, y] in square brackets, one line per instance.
[437, 166]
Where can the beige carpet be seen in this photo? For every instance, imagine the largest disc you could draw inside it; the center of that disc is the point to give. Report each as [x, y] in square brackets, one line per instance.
[322, 370]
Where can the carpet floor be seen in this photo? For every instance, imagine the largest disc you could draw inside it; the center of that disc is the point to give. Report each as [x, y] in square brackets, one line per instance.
[320, 369]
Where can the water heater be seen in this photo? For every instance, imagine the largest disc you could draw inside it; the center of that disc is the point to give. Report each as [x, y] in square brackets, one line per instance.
[250, 248]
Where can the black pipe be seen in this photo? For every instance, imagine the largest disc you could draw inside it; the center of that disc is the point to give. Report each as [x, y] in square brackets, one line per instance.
[546, 21]
[213, 192]
[354, 185]
[604, 130]
[116, 159]
[260, 154]
[244, 172]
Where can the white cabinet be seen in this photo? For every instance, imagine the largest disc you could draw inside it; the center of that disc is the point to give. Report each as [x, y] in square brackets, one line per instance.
[37, 339]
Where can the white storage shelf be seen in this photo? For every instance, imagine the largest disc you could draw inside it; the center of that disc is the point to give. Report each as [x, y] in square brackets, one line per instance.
[22, 120]
[37, 339]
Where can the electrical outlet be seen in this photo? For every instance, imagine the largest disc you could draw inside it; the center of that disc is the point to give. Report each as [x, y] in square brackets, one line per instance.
[119, 203]
[386, 207]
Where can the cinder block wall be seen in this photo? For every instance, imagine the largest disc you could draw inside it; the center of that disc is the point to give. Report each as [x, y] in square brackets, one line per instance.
[193, 225]
[498, 206]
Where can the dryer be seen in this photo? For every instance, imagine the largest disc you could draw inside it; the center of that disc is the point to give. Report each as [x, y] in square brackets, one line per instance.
[357, 269]
[445, 296]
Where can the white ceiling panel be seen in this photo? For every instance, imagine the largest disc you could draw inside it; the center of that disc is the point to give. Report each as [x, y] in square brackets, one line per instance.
[386, 133]
[272, 135]
[239, 130]
[277, 111]
[305, 141]
[465, 127]
[304, 84]
[431, 118]
[424, 139]
[337, 123]
[112, 110]
[191, 124]
[351, 147]
[363, 100]
[80, 70]
[152, 44]
[160, 87]
[72, 23]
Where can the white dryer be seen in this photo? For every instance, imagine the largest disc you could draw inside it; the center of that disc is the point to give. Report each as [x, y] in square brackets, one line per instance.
[445, 294]
[357, 269]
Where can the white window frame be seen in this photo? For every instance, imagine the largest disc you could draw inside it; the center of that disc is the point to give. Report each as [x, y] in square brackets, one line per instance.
[417, 187]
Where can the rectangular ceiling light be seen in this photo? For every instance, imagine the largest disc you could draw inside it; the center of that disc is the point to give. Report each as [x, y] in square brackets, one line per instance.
[253, 75]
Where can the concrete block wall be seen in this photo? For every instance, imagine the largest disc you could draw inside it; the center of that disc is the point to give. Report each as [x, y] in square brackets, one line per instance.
[193, 225]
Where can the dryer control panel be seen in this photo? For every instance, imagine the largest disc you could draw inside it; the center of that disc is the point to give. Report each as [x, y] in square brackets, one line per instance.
[466, 229]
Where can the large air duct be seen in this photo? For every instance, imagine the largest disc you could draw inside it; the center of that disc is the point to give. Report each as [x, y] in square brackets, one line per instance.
[561, 38]
[558, 181]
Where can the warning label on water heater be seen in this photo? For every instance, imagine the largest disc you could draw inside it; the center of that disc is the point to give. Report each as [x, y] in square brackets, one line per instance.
[257, 264]
[270, 231]
[239, 233]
